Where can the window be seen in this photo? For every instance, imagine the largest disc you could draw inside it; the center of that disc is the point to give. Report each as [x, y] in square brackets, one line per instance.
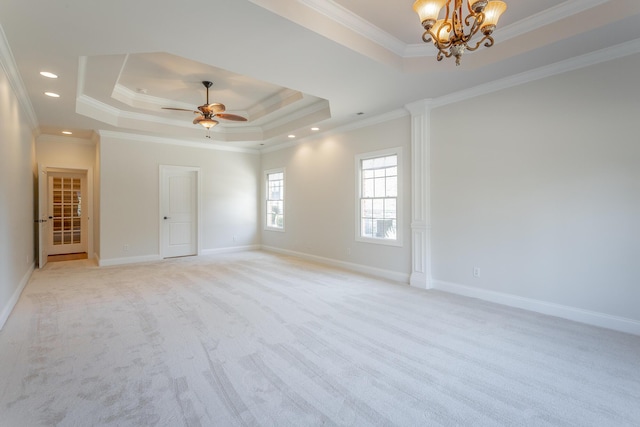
[378, 205]
[274, 219]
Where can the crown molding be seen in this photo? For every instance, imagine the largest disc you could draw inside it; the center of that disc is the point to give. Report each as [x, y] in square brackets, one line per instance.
[603, 55]
[274, 103]
[106, 113]
[619, 51]
[142, 100]
[348, 19]
[172, 141]
[8, 64]
[319, 105]
[531, 23]
[548, 16]
[369, 121]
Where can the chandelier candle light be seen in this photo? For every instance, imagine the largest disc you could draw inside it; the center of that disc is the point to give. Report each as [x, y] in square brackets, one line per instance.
[452, 34]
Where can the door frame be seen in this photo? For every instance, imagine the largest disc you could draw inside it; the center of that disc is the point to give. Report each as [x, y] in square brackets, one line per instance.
[198, 222]
[43, 214]
[84, 226]
[88, 175]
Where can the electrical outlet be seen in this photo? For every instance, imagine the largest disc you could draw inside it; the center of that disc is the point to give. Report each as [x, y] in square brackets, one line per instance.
[125, 248]
[476, 272]
[348, 251]
[235, 238]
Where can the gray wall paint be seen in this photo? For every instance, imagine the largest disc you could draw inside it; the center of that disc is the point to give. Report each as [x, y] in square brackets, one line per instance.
[320, 204]
[129, 195]
[17, 178]
[543, 194]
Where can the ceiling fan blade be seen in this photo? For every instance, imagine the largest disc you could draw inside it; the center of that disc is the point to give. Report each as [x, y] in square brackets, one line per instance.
[233, 117]
[214, 108]
[178, 109]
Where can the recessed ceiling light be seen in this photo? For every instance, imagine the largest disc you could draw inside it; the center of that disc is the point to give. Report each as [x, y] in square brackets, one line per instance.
[52, 94]
[48, 74]
[66, 132]
[315, 129]
[292, 136]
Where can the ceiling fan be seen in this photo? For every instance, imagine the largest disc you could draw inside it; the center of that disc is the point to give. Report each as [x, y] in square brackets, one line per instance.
[208, 112]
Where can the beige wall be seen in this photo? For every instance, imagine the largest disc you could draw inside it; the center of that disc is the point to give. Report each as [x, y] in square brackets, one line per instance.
[17, 177]
[129, 195]
[320, 201]
[544, 195]
[66, 152]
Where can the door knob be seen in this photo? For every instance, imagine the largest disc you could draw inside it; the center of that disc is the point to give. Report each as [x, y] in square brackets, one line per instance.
[167, 217]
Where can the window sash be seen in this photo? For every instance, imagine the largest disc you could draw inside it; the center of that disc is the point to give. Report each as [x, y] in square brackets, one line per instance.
[378, 190]
[274, 201]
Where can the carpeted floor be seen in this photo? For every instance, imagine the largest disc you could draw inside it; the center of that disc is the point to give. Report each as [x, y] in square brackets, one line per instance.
[259, 339]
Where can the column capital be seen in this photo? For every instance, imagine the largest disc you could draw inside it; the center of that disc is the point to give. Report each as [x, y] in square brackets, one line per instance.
[419, 107]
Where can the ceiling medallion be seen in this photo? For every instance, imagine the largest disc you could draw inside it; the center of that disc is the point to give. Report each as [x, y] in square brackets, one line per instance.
[452, 34]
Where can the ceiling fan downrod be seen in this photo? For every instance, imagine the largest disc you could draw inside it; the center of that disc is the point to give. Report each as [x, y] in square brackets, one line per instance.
[207, 84]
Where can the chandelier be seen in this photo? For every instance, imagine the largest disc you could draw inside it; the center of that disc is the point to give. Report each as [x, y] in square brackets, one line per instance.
[452, 34]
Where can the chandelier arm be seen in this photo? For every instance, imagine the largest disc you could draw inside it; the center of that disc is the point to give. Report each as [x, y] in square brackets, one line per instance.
[456, 22]
[446, 15]
[478, 19]
[449, 27]
[489, 43]
[443, 46]
[446, 53]
[428, 36]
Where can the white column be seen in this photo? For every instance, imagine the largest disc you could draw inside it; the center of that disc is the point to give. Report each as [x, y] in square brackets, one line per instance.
[420, 195]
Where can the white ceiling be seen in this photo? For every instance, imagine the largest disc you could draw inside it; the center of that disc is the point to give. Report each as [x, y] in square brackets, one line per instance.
[285, 65]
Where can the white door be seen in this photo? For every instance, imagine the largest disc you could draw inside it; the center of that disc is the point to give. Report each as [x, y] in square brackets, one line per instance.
[178, 210]
[67, 213]
[43, 209]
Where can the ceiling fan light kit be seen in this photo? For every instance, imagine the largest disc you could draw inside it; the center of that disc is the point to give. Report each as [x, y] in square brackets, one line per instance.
[208, 111]
[452, 33]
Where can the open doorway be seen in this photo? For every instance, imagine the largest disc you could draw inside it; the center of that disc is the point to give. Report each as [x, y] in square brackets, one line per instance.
[64, 209]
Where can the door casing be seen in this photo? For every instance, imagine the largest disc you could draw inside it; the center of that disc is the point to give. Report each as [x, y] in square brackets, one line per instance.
[43, 196]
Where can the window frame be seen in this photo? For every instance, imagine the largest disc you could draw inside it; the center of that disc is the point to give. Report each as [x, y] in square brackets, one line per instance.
[266, 200]
[397, 151]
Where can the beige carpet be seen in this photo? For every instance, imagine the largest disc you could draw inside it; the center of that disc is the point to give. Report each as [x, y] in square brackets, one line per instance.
[258, 339]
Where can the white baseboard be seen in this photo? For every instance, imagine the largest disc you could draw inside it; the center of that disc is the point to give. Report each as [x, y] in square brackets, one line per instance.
[8, 308]
[372, 271]
[593, 318]
[128, 260]
[151, 258]
[229, 250]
